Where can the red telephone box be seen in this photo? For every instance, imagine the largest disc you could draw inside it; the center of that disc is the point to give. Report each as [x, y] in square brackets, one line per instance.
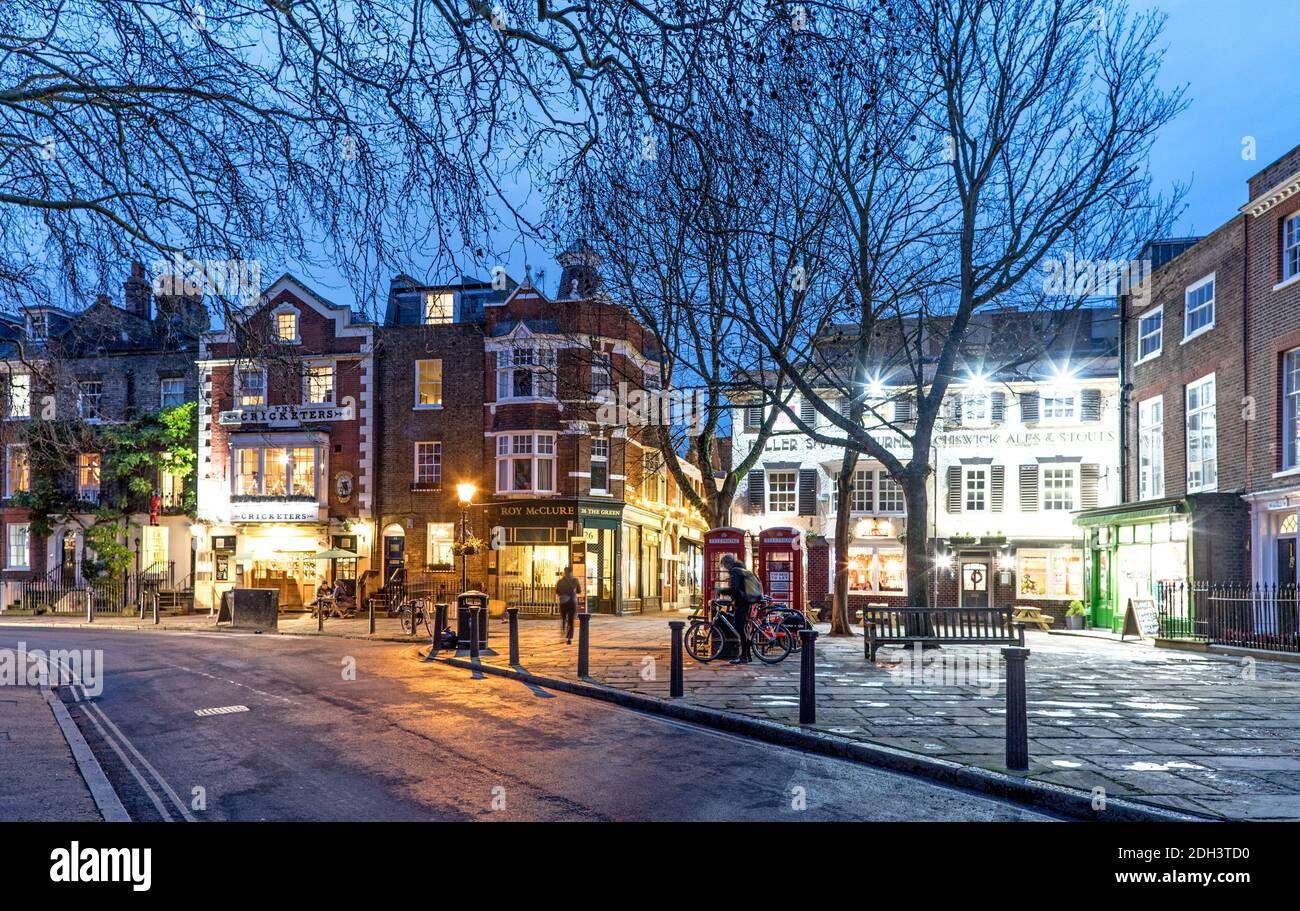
[780, 565]
[717, 543]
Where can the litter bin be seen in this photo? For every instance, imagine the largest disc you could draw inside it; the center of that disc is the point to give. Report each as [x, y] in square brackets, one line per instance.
[466, 602]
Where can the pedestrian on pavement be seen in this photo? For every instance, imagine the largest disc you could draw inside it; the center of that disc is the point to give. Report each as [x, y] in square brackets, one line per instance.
[744, 588]
[567, 590]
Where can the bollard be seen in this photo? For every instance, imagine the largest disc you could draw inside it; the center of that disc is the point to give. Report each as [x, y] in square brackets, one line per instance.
[320, 616]
[473, 634]
[483, 625]
[808, 677]
[90, 608]
[512, 614]
[1017, 709]
[675, 688]
[155, 608]
[583, 643]
[370, 603]
[440, 622]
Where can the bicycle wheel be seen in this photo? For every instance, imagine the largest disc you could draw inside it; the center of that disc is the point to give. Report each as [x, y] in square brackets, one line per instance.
[703, 641]
[769, 643]
[407, 619]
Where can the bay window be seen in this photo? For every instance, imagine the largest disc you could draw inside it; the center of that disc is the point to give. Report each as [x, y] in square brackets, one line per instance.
[277, 471]
[1202, 442]
[526, 463]
[525, 372]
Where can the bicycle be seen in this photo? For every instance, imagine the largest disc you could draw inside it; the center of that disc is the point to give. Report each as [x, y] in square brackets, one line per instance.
[769, 639]
[414, 612]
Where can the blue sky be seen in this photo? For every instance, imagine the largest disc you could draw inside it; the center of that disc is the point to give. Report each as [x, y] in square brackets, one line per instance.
[1240, 64]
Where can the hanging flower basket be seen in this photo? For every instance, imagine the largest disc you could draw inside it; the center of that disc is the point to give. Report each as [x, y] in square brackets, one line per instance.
[467, 548]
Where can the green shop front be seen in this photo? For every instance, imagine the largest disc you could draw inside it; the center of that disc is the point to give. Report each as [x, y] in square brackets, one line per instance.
[1129, 550]
[614, 548]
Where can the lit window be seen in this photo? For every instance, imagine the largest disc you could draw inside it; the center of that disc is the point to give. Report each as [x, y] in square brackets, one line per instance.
[782, 495]
[1291, 409]
[976, 486]
[1151, 327]
[428, 464]
[1050, 573]
[526, 463]
[17, 471]
[1202, 443]
[1291, 247]
[303, 463]
[275, 466]
[654, 482]
[171, 489]
[18, 549]
[874, 569]
[1151, 448]
[1058, 488]
[248, 472]
[439, 307]
[20, 395]
[171, 392]
[252, 387]
[89, 394]
[442, 537]
[600, 465]
[286, 326]
[1199, 304]
[88, 477]
[525, 373]
[320, 384]
[275, 471]
[428, 384]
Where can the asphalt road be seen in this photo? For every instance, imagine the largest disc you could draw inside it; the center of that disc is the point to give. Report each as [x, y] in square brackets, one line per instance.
[406, 740]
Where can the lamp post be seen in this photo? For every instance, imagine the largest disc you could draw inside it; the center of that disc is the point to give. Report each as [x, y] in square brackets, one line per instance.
[465, 493]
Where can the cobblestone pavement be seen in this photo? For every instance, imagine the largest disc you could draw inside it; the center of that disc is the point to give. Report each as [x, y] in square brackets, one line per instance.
[1193, 732]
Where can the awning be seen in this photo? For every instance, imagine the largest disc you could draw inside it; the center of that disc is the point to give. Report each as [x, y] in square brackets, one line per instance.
[1131, 513]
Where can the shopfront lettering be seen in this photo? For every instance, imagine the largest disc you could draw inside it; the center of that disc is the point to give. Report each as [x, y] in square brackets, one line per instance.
[286, 415]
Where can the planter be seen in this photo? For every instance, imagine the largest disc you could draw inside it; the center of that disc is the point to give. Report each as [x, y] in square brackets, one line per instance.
[1075, 622]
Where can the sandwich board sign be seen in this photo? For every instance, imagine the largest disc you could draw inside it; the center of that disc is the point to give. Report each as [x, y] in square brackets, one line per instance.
[1140, 619]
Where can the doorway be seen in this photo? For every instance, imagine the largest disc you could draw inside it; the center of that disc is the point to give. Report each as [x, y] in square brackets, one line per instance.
[974, 582]
[394, 555]
[68, 558]
[1286, 560]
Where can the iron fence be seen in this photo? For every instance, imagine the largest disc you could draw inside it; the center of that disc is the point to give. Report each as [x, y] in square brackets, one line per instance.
[1250, 616]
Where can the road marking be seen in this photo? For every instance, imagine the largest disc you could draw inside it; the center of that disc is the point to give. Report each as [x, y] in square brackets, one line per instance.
[101, 789]
[222, 710]
[190, 670]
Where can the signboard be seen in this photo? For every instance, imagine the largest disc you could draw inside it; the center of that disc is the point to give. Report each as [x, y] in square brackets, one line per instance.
[285, 415]
[274, 511]
[1140, 619]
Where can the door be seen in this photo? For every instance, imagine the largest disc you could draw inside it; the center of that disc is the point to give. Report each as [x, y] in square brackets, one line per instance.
[975, 583]
[394, 560]
[1286, 561]
[68, 564]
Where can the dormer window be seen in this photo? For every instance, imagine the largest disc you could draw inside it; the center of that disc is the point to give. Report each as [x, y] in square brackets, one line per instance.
[38, 326]
[284, 325]
[439, 307]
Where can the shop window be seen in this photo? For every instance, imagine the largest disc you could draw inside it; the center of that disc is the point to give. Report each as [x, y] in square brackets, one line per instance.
[1151, 448]
[17, 470]
[877, 570]
[18, 546]
[1051, 573]
[428, 383]
[248, 472]
[782, 495]
[439, 307]
[250, 389]
[442, 537]
[1058, 488]
[526, 463]
[303, 465]
[20, 395]
[1202, 444]
[1199, 308]
[320, 384]
[525, 373]
[1291, 409]
[428, 464]
[1151, 327]
[275, 471]
[88, 477]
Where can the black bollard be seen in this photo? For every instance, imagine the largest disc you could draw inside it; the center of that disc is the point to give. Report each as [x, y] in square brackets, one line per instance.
[583, 644]
[512, 614]
[320, 616]
[483, 625]
[370, 603]
[155, 608]
[675, 688]
[90, 608]
[440, 622]
[808, 677]
[473, 634]
[1017, 709]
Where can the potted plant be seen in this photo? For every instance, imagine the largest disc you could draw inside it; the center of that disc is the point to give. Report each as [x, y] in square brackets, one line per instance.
[468, 548]
[1074, 615]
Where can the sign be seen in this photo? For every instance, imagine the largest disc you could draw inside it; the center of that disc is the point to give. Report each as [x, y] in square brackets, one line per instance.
[274, 511]
[1140, 619]
[285, 415]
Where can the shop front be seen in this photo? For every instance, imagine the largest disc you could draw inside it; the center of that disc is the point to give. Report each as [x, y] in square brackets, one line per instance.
[1129, 552]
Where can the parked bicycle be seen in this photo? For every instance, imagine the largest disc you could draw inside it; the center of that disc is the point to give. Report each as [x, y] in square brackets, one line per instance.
[770, 639]
[414, 613]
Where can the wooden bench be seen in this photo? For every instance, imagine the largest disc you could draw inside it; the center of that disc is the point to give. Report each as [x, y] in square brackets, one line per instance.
[939, 625]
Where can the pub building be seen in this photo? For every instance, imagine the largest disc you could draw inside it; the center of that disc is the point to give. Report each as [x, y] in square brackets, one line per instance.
[1016, 455]
[564, 485]
[285, 454]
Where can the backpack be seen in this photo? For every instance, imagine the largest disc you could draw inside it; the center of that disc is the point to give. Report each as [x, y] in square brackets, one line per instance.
[751, 586]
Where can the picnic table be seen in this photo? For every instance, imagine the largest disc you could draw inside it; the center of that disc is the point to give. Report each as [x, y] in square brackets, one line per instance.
[1028, 614]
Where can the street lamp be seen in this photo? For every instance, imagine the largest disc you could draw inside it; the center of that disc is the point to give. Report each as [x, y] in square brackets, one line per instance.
[465, 493]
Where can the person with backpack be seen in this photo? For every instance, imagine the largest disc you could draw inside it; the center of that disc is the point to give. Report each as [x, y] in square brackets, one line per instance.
[744, 588]
[567, 590]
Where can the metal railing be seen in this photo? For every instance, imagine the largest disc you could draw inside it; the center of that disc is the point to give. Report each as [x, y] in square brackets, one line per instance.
[1260, 616]
[532, 600]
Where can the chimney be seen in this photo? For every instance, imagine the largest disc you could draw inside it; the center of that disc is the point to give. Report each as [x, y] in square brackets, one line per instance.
[136, 293]
[581, 276]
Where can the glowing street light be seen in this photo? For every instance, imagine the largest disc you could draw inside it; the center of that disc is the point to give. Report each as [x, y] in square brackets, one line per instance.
[465, 492]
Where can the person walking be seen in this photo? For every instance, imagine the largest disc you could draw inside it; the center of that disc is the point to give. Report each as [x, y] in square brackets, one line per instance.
[567, 590]
[744, 588]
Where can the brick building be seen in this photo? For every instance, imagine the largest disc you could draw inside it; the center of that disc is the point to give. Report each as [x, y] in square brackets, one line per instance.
[286, 458]
[1018, 450]
[67, 376]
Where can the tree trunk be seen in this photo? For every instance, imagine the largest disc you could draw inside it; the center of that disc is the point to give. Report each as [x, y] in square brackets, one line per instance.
[843, 531]
[917, 549]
